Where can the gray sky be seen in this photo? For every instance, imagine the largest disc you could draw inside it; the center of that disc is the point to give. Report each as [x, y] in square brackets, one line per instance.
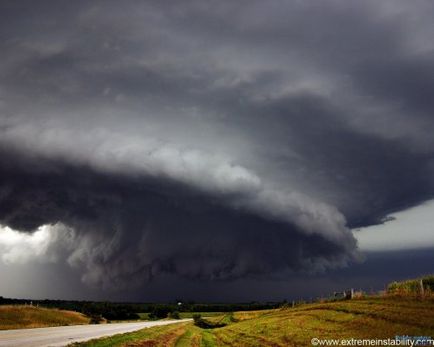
[212, 144]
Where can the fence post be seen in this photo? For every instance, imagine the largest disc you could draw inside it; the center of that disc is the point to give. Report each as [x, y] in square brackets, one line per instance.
[421, 287]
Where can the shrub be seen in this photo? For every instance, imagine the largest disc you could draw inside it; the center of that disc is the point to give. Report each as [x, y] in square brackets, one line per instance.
[204, 324]
[197, 318]
[96, 319]
[159, 313]
[174, 315]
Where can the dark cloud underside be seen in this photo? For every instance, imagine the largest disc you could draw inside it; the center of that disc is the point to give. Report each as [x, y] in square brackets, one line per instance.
[148, 228]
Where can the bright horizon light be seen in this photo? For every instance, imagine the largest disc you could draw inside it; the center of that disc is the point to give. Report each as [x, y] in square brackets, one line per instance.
[408, 229]
[20, 247]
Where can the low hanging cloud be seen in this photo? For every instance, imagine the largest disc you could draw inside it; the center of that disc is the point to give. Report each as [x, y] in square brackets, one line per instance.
[213, 142]
[118, 154]
[132, 224]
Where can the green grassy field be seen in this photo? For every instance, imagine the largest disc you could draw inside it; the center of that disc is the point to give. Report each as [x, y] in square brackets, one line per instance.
[19, 317]
[375, 317]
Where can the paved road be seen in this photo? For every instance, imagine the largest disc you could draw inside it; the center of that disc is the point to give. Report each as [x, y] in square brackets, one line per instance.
[62, 336]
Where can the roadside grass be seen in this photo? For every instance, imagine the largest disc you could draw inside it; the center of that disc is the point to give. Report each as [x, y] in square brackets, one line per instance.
[373, 317]
[156, 336]
[20, 317]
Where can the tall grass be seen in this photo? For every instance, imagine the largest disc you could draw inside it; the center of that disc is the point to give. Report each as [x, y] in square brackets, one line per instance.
[422, 286]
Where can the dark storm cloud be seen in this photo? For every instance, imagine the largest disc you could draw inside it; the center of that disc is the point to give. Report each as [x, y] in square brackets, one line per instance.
[126, 230]
[217, 139]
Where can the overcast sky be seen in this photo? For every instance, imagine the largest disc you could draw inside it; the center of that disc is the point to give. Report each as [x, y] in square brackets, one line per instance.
[216, 150]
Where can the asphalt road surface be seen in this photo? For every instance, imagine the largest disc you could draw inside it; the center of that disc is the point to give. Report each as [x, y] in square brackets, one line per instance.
[62, 336]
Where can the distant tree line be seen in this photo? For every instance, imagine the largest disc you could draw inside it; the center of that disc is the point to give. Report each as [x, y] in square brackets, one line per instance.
[129, 311]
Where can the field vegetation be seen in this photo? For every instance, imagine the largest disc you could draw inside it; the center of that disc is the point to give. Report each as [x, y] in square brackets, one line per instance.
[25, 316]
[423, 286]
[372, 317]
[406, 308]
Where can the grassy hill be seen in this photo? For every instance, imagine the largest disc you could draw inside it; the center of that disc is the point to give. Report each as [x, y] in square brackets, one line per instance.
[20, 316]
[375, 317]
